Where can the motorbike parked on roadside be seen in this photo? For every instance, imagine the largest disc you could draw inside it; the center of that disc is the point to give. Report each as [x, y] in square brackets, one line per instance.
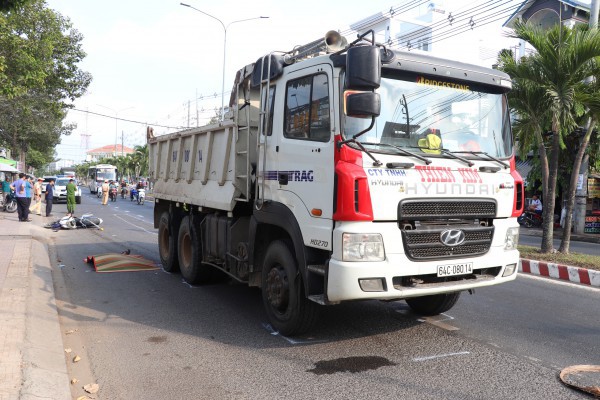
[9, 202]
[530, 219]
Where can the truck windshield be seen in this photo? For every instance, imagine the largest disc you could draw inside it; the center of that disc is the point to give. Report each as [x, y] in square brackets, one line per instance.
[436, 117]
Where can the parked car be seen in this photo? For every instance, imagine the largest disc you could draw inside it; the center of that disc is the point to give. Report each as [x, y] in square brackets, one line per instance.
[60, 190]
[47, 181]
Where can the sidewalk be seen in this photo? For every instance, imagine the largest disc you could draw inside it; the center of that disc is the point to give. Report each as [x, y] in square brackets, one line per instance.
[32, 360]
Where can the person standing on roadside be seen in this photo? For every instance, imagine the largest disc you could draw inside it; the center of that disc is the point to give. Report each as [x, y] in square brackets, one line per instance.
[71, 189]
[19, 187]
[37, 197]
[28, 191]
[49, 197]
[105, 188]
[5, 187]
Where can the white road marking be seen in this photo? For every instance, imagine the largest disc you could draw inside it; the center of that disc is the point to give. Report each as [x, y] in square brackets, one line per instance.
[418, 359]
[139, 227]
[273, 332]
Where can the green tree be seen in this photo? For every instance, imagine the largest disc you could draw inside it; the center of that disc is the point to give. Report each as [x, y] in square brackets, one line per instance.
[39, 53]
[563, 58]
[7, 5]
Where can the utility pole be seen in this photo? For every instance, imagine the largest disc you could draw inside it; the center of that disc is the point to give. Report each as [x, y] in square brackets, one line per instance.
[122, 144]
[581, 192]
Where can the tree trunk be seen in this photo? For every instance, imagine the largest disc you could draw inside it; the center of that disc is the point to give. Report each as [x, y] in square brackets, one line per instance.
[550, 196]
[543, 164]
[566, 238]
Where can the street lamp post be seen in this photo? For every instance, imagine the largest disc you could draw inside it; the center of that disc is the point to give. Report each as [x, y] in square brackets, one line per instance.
[116, 125]
[224, 49]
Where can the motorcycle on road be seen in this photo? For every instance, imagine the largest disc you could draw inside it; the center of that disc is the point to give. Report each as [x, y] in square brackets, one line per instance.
[530, 219]
[112, 194]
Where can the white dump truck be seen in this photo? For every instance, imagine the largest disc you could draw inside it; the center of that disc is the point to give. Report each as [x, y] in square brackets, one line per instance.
[345, 171]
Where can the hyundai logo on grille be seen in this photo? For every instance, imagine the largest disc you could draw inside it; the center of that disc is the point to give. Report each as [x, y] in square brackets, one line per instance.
[452, 237]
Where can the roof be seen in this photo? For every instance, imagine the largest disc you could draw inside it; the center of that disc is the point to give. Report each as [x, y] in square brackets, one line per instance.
[111, 148]
[584, 5]
[523, 167]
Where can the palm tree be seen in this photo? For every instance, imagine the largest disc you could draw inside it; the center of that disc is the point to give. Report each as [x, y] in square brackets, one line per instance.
[590, 97]
[564, 58]
[533, 115]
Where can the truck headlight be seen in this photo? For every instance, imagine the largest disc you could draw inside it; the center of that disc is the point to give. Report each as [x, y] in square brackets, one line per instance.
[512, 239]
[362, 247]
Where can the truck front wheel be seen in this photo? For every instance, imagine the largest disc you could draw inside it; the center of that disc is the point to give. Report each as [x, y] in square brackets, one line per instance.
[434, 304]
[190, 254]
[289, 311]
[167, 246]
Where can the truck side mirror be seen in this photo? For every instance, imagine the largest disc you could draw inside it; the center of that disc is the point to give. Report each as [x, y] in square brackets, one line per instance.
[362, 104]
[363, 68]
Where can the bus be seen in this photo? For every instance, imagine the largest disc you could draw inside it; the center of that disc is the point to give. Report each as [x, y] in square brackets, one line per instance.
[97, 174]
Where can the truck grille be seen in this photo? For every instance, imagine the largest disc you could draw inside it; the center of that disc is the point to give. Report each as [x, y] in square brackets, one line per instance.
[427, 244]
[445, 208]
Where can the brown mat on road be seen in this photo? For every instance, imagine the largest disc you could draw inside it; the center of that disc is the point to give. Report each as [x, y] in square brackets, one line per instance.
[114, 262]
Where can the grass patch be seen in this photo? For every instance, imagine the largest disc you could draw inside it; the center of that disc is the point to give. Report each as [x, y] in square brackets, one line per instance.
[574, 259]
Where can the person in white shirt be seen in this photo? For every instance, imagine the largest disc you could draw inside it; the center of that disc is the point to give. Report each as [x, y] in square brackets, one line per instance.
[535, 205]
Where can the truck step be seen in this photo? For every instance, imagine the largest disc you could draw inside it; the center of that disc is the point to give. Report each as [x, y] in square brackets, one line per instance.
[317, 269]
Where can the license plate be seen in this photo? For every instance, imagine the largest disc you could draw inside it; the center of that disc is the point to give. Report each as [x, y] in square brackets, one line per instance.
[454, 269]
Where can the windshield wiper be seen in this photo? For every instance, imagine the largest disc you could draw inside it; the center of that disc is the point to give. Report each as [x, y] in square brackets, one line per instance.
[490, 157]
[452, 155]
[401, 150]
[449, 153]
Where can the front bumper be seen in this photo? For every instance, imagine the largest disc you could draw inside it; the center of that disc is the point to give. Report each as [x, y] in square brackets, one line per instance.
[402, 278]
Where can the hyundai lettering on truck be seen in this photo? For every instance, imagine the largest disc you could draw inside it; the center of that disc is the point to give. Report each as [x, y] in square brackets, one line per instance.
[341, 172]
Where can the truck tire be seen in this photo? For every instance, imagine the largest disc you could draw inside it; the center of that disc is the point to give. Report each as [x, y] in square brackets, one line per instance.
[78, 200]
[288, 309]
[189, 253]
[167, 244]
[434, 304]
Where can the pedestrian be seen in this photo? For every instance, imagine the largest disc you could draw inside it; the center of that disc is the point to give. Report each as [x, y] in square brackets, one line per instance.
[71, 189]
[49, 197]
[37, 197]
[28, 191]
[5, 187]
[19, 187]
[105, 188]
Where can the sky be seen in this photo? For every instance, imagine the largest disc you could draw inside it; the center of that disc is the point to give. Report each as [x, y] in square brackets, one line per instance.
[158, 63]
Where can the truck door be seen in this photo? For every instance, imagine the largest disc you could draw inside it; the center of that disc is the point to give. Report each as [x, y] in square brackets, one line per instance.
[303, 133]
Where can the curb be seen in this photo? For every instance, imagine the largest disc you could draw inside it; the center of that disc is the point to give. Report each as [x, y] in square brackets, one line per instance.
[558, 271]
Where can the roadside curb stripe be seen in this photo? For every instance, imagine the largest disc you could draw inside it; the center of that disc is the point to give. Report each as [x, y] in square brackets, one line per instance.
[557, 271]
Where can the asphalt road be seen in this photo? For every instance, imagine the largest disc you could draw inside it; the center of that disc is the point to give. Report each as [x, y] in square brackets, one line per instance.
[149, 335]
[574, 247]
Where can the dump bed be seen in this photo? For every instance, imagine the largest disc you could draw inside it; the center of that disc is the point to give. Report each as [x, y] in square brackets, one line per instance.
[206, 166]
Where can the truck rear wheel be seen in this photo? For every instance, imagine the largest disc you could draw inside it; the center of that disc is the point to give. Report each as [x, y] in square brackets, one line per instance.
[289, 311]
[434, 304]
[167, 246]
[190, 254]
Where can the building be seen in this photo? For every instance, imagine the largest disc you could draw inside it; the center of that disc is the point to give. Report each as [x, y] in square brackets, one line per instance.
[546, 13]
[108, 151]
[402, 30]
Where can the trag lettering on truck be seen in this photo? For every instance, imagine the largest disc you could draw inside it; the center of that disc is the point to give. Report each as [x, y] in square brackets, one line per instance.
[335, 176]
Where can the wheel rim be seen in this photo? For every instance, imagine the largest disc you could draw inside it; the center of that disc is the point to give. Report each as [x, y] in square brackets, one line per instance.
[278, 288]
[186, 251]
